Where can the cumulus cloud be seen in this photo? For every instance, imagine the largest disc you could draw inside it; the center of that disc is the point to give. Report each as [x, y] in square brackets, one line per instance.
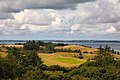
[111, 30]
[39, 17]
[74, 28]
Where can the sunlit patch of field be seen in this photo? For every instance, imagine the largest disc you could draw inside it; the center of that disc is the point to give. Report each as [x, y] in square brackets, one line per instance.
[12, 45]
[76, 47]
[64, 59]
[3, 54]
[116, 56]
[3, 50]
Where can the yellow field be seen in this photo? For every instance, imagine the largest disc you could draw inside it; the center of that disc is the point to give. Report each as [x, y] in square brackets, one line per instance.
[63, 59]
[116, 56]
[3, 54]
[3, 50]
[76, 47]
[13, 45]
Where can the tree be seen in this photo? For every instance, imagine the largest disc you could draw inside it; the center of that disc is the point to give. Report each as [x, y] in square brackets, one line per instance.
[118, 52]
[35, 74]
[41, 43]
[31, 45]
[50, 48]
[107, 49]
[112, 51]
[8, 68]
[100, 50]
[30, 60]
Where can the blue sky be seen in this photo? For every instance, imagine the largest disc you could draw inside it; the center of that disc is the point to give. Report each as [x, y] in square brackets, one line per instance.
[60, 19]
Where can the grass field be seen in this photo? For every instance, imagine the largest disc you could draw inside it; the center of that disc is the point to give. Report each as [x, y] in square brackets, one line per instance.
[10, 45]
[67, 59]
[63, 59]
[76, 47]
[3, 54]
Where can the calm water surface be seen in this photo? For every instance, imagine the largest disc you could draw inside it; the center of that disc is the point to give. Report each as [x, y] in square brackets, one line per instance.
[114, 45]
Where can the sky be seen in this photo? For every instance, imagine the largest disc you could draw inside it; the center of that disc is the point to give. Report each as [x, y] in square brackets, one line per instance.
[59, 19]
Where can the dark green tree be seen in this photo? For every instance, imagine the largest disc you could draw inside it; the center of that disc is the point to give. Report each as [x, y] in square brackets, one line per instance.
[31, 45]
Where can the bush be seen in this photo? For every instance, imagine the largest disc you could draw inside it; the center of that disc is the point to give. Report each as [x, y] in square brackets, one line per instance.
[85, 52]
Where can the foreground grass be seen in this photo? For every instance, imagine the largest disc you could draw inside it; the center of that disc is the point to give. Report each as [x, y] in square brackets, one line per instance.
[63, 59]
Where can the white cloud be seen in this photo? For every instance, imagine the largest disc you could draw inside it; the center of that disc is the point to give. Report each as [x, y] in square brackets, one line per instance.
[111, 30]
[33, 17]
[23, 27]
[74, 28]
[36, 28]
[114, 1]
[56, 22]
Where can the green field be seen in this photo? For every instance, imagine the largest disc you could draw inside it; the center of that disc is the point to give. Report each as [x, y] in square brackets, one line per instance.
[63, 59]
[67, 59]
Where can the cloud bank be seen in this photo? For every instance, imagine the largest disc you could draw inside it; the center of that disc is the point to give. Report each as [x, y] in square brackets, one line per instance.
[60, 19]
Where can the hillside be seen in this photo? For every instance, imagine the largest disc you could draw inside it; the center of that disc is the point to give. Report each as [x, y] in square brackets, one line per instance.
[77, 47]
[63, 59]
[68, 59]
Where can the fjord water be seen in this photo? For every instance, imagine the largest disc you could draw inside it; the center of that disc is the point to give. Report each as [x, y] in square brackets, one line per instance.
[11, 41]
[113, 45]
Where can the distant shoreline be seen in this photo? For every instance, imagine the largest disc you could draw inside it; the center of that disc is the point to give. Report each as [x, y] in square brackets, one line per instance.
[114, 44]
[63, 40]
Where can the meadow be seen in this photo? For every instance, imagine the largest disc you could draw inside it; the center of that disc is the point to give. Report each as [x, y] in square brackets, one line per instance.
[64, 59]
[67, 59]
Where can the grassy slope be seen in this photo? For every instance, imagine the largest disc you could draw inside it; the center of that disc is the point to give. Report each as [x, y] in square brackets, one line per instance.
[67, 59]
[76, 47]
[12, 45]
[3, 52]
[63, 59]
